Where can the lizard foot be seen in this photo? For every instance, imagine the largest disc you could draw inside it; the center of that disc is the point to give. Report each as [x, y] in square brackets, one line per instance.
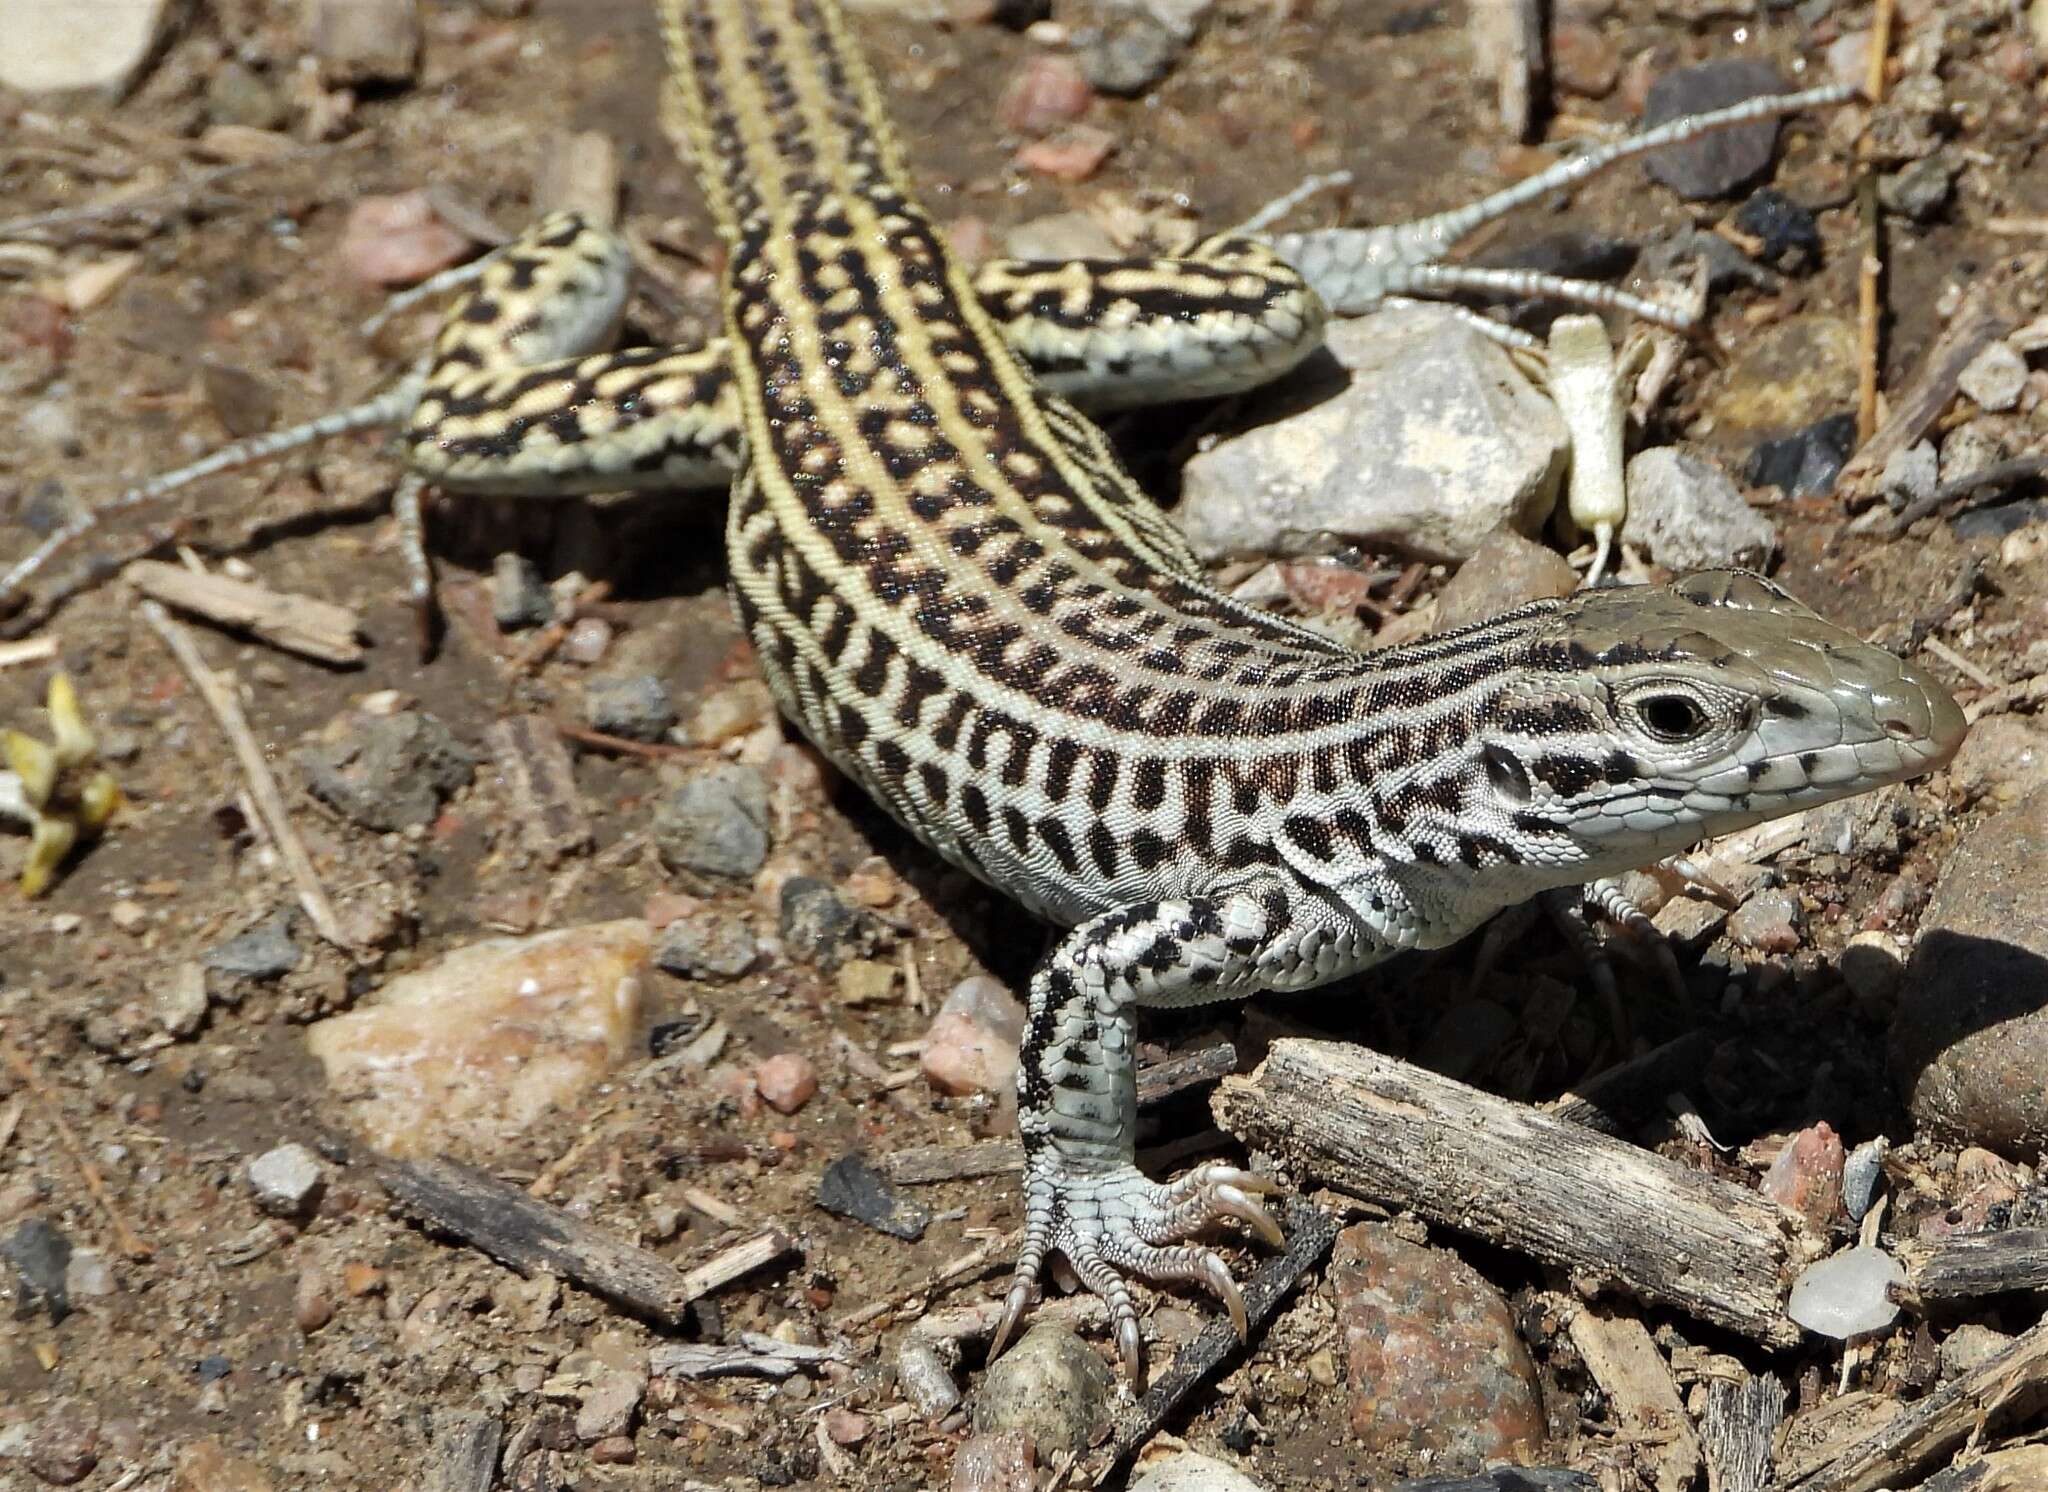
[1109, 1223]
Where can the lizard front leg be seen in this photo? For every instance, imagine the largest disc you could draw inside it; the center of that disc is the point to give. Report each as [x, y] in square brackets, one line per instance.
[1077, 1101]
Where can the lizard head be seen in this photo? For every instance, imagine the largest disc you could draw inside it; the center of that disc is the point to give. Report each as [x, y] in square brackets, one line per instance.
[1646, 718]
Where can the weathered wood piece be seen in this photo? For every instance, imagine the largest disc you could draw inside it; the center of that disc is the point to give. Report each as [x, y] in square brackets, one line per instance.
[2010, 1386]
[1618, 1352]
[921, 1165]
[1979, 322]
[1387, 1131]
[299, 624]
[1208, 1064]
[528, 1235]
[1738, 1430]
[466, 1446]
[540, 783]
[2022, 1468]
[1977, 1264]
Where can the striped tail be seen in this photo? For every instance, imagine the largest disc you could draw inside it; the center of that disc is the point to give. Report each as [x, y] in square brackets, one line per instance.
[778, 106]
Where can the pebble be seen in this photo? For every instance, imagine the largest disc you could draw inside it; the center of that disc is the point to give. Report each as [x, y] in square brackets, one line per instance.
[1582, 59]
[1919, 189]
[707, 946]
[1185, 1471]
[2004, 758]
[47, 47]
[1050, 91]
[1995, 378]
[1052, 1386]
[610, 1406]
[39, 1254]
[971, 1044]
[1723, 162]
[1769, 922]
[1847, 1294]
[1874, 966]
[1124, 48]
[1970, 1042]
[389, 772]
[1789, 233]
[1862, 1173]
[1436, 1371]
[65, 1447]
[1806, 1177]
[1806, 462]
[1436, 441]
[88, 1276]
[715, 823]
[1002, 1461]
[1784, 376]
[287, 1181]
[851, 1187]
[786, 1081]
[588, 640]
[265, 951]
[128, 916]
[819, 926]
[312, 1300]
[1969, 1346]
[635, 706]
[206, 1465]
[865, 981]
[1061, 235]
[738, 709]
[519, 597]
[398, 240]
[1977, 445]
[364, 41]
[180, 1000]
[1689, 515]
[470, 1050]
[1910, 474]
[1504, 572]
[1074, 154]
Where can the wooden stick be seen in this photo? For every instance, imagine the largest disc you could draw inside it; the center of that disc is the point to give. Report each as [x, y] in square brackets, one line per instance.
[1391, 1132]
[1974, 327]
[28, 650]
[540, 780]
[1869, 327]
[921, 1165]
[526, 1234]
[1618, 1352]
[1739, 1430]
[125, 1237]
[2014, 1382]
[312, 628]
[1976, 1265]
[255, 771]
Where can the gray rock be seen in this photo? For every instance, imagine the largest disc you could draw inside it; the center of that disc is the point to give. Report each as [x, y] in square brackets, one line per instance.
[1806, 462]
[53, 48]
[1978, 445]
[635, 706]
[1968, 1346]
[1505, 571]
[1724, 162]
[1727, 266]
[265, 951]
[39, 1255]
[1768, 922]
[1919, 189]
[1052, 1386]
[1970, 1043]
[706, 947]
[610, 1406]
[287, 1181]
[1911, 474]
[1184, 1471]
[716, 823]
[1689, 515]
[1431, 440]
[179, 1001]
[818, 926]
[89, 1276]
[1995, 378]
[519, 598]
[1126, 46]
[852, 1187]
[387, 772]
[364, 41]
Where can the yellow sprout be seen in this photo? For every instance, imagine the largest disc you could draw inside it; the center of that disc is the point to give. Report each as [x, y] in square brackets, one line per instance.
[65, 795]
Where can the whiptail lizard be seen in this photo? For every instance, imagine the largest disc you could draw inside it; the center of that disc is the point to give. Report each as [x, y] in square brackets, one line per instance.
[958, 593]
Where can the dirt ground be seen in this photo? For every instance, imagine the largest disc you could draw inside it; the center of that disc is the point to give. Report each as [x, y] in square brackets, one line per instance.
[235, 316]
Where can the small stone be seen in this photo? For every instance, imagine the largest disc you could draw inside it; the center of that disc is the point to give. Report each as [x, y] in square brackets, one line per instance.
[851, 1187]
[398, 240]
[1995, 378]
[519, 597]
[364, 41]
[971, 1045]
[1128, 49]
[610, 1406]
[312, 1300]
[1874, 965]
[1806, 1177]
[265, 951]
[39, 1255]
[1583, 60]
[88, 1276]
[471, 1049]
[1050, 91]
[1910, 475]
[1806, 463]
[205, 1465]
[1435, 1366]
[1434, 441]
[1847, 1294]
[65, 1446]
[128, 916]
[786, 1081]
[1919, 189]
[1977, 445]
[865, 981]
[1061, 235]
[1783, 377]
[819, 926]
[999, 1462]
[616, 1450]
[635, 706]
[1504, 572]
[180, 999]
[54, 48]
[288, 1181]
[1789, 233]
[738, 709]
[1970, 1346]
[1723, 162]
[1075, 153]
[1052, 1386]
[1768, 922]
[1688, 515]
[1184, 1471]
[716, 823]
[589, 638]
[707, 946]
[1862, 1172]
[386, 773]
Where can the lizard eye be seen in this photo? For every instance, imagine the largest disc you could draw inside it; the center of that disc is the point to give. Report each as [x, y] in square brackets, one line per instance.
[1671, 717]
